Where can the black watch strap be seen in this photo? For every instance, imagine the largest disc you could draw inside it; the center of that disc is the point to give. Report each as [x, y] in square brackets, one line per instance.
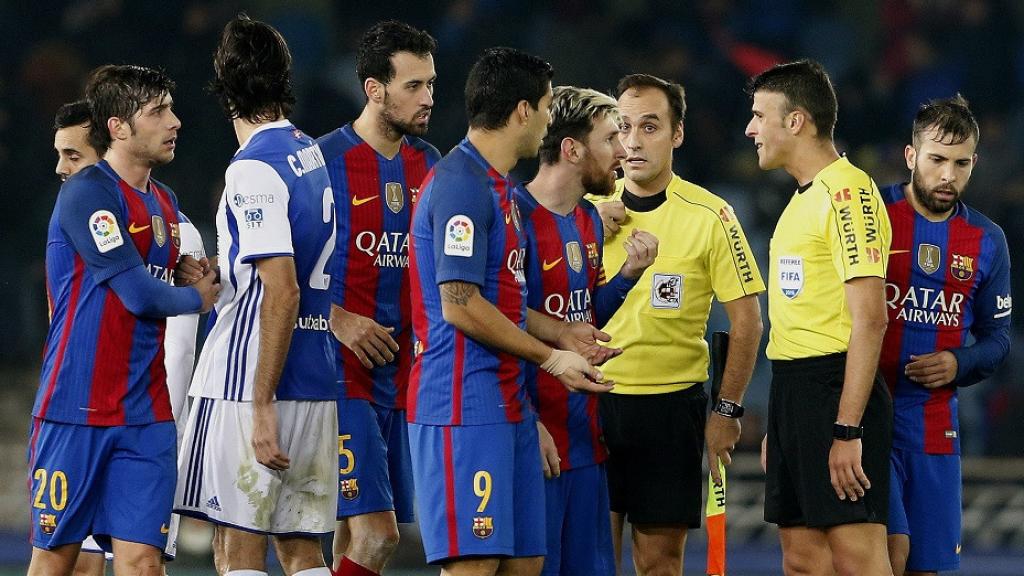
[844, 432]
[728, 408]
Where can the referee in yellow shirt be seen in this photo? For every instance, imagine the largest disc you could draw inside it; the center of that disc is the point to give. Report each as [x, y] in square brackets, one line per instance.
[829, 412]
[654, 419]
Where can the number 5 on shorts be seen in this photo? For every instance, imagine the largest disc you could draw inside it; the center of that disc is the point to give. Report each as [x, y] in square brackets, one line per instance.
[482, 488]
[349, 456]
[58, 489]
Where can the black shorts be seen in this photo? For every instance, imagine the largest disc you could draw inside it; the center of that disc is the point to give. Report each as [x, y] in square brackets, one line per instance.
[802, 408]
[656, 451]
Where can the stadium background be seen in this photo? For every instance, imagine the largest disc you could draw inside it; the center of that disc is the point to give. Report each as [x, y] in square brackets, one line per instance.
[885, 57]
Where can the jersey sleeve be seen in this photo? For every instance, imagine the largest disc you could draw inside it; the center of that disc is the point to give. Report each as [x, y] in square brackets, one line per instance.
[92, 217]
[991, 327]
[734, 272]
[257, 200]
[857, 230]
[462, 219]
[191, 240]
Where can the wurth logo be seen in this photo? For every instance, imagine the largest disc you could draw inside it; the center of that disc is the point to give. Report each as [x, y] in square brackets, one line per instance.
[842, 196]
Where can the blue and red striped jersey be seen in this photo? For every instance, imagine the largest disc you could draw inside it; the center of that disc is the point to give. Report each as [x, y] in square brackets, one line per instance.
[465, 227]
[102, 365]
[947, 288]
[563, 272]
[370, 277]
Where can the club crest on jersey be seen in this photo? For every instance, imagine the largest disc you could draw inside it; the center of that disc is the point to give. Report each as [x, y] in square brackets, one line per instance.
[483, 526]
[47, 523]
[458, 236]
[349, 488]
[791, 276]
[929, 258]
[666, 291]
[593, 255]
[962, 267]
[393, 195]
[575, 255]
[159, 230]
[176, 235]
[105, 231]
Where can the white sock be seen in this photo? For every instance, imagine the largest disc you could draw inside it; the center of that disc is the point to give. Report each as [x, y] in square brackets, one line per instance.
[246, 573]
[321, 571]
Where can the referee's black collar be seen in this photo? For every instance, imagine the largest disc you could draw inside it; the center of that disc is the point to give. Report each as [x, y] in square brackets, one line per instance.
[805, 187]
[643, 203]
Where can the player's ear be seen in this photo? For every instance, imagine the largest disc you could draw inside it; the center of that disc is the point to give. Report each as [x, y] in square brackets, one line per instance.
[569, 150]
[374, 90]
[118, 128]
[677, 135]
[910, 155]
[523, 111]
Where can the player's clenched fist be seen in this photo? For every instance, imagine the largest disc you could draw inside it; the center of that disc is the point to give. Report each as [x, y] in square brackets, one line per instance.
[641, 250]
[613, 214]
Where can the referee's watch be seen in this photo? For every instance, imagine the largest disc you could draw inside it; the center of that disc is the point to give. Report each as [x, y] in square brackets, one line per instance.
[727, 408]
[844, 432]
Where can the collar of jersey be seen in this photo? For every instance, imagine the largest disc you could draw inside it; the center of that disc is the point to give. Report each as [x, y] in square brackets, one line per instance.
[473, 153]
[286, 123]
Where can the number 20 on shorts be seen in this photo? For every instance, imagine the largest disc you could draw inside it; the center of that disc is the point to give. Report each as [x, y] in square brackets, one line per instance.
[58, 492]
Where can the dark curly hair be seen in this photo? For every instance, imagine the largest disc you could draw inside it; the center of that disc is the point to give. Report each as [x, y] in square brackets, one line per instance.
[253, 71]
[120, 91]
[385, 39]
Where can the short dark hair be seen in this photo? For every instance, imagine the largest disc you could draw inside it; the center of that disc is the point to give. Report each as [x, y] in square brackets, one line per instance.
[253, 71]
[499, 80]
[950, 117]
[120, 91]
[573, 111]
[72, 114]
[673, 92]
[805, 84]
[385, 39]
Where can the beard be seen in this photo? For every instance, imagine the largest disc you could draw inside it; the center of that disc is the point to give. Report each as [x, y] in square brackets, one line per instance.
[928, 198]
[397, 127]
[596, 182]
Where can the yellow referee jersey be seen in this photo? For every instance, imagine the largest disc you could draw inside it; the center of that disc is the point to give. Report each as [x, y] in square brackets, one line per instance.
[835, 230]
[702, 252]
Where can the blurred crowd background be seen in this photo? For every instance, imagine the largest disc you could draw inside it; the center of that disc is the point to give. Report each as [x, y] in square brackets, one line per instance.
[885, 58]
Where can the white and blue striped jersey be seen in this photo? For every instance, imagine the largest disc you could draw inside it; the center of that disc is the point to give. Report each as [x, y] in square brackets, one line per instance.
[277, 202]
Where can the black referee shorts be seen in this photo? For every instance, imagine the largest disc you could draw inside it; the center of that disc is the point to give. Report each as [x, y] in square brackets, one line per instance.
[802, 408]
[656, 447]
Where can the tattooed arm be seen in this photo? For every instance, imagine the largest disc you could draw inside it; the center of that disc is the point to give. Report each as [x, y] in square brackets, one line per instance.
[464, 308]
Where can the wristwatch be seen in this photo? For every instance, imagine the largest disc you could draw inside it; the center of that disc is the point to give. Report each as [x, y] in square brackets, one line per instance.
[844, 432]
[727, 408]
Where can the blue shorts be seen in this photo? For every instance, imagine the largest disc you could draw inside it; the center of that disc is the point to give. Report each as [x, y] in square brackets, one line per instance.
[110, 482]
[479, 490]
[579, 523]
[374, 466]
[924, 503]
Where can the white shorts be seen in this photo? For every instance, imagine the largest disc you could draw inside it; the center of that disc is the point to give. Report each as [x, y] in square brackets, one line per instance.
[219, 479]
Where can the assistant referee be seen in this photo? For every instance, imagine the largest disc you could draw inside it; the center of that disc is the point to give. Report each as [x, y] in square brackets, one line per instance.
[654, 419]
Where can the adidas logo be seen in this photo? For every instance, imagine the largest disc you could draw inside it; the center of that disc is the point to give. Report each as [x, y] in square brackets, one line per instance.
[213, 504]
